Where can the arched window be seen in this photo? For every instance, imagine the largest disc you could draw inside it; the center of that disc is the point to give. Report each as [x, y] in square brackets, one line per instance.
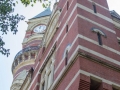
[99, 34]
[66, 57]
[67, 5]
[47, 76]
[94, 8]
[65, 54]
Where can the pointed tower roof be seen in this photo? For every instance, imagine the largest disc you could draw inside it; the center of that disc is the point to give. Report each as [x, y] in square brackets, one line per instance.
[115, 14]
[46, 12]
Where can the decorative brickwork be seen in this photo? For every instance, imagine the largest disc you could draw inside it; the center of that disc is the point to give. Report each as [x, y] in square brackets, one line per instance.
[84, 85]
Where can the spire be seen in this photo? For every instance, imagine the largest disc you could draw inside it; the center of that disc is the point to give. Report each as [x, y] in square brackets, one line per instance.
[115, 14]
[46, 12]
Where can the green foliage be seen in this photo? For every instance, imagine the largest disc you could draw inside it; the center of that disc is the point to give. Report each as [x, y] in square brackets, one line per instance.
[2, 49]
[45, 3]
[8, 22]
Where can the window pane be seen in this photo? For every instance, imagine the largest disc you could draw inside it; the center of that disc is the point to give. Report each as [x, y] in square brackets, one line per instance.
[49, 80]
[99, 38]
[43, 86]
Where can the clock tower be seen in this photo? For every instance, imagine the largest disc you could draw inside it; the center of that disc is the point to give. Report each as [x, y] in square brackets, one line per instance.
[78, 50]
[25, 59]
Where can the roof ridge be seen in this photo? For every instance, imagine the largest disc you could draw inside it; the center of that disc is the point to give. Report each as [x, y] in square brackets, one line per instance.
[46, 12]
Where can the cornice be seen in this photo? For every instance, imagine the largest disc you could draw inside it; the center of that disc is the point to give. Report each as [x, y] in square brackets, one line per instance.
[88, 57]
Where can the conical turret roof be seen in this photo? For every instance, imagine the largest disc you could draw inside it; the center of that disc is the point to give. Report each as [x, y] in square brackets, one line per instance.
[46, 12]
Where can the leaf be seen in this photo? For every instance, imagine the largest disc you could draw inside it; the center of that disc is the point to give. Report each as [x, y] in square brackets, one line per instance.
[43, 5]
[17, 2]
[8, 22]
[13, 4]
[32, 5]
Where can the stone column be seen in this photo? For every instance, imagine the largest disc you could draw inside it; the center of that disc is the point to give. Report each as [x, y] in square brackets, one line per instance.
[46, 81]
[14, 64]
[36, 54]
[52, 69]
[17, 61]
[29, 55]
[23, 58]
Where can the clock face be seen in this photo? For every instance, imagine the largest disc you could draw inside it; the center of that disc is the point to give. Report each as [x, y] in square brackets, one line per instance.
[40, 29]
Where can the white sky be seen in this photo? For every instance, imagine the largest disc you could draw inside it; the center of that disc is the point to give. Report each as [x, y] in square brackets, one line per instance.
[13, 42]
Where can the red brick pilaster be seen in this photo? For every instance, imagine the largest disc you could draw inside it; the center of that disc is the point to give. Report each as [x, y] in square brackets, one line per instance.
[106, 86]
[39, 78]
[37, 88]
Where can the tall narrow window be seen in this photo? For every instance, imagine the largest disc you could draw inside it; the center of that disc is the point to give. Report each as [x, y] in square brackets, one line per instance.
[94, 8]
[20, 59]
[43, 85]
[99, 38]
[67, 5]
[119, 41]
[66, 28]
[26, 57]
[16, 62]
[66, 57]
[49, 80]
[99, 33]
[31, 71]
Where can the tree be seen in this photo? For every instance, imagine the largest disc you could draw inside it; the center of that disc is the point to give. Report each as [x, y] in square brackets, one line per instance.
[8, 22]
[45, 3]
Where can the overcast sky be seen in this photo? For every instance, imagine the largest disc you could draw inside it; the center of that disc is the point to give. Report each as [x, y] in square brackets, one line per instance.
[13, 42]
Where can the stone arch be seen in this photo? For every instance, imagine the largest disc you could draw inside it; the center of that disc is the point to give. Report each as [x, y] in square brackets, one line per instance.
[41, 21]
[66, 49]
[53, 25]
[34, 26]
[96, 30]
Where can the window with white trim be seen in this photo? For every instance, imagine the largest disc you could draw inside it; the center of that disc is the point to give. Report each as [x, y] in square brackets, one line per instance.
[48, 74]
[67, 5]
[99, 38]
[100, 33]
[94, 8]
[43, 85]
[118, 40]
[66, 57]
[49, 80]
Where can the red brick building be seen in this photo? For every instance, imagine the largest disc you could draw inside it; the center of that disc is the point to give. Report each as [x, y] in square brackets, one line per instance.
[74, 47]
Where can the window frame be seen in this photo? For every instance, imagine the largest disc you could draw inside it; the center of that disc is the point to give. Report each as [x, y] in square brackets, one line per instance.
[94, 8]
[48, 70]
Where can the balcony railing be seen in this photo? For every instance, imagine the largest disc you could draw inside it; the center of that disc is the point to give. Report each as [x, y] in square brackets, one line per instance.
[26, 50]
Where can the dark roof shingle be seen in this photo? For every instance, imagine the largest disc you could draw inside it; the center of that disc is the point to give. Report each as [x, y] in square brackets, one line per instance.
[46, 12]
[115, 14]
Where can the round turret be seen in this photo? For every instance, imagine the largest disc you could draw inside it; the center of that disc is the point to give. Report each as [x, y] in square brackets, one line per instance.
[25, 59]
